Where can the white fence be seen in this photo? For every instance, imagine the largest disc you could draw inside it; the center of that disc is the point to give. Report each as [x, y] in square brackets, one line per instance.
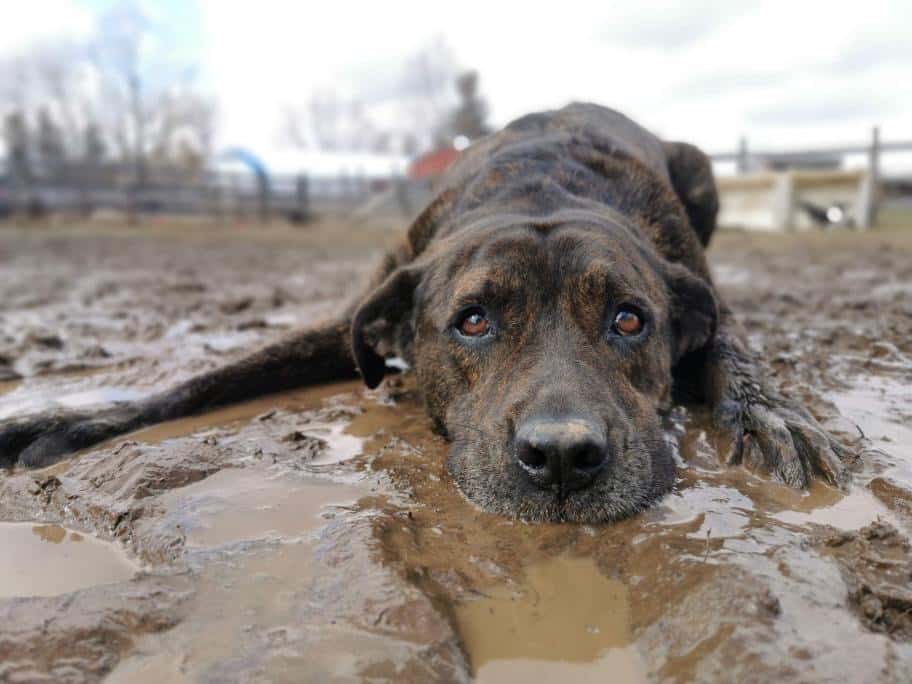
[792, 198]
[796, 200]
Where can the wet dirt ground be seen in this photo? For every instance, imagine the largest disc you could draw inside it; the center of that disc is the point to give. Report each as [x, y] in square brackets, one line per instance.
[315, 535]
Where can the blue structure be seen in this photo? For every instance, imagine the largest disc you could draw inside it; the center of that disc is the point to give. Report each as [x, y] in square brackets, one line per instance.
[258, 169]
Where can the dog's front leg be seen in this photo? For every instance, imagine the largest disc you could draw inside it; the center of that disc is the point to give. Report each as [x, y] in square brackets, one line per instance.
[769, 432]
[311, 356]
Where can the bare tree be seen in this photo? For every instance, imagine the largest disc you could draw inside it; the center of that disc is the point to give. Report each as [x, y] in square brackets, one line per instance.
[427, 91]
[325, 111]
[149, 98]
[94, 149]
[181, 131]
[402, 113]
[51, 151]
[17, 137]
[135, 98]
[58, 89]
[331, 123]
[116, 54]
[49, 80]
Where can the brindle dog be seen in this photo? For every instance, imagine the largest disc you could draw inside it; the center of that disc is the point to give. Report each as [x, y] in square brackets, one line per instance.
[550, 299]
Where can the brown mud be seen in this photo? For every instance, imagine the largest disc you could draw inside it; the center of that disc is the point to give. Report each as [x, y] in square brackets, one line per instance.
[315, 535]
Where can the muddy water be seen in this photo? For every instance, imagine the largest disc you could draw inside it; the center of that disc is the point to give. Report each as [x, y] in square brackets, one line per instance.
[47, 560]
[720, 569]
[247, 504]
[237, 414]
[726, 553]
[262, 526]
[565, 621]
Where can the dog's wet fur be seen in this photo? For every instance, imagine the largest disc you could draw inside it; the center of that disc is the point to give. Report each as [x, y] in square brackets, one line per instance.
[545, 231]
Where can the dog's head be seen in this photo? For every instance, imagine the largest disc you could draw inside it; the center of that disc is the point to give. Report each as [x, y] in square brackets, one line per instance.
[544, 350]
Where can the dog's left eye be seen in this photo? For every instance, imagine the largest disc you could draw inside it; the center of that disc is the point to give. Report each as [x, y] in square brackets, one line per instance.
[474, 323]
[627, 322]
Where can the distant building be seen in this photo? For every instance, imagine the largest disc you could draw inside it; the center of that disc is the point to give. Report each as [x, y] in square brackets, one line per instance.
[431, 166]
[794, 160]
[289, 162]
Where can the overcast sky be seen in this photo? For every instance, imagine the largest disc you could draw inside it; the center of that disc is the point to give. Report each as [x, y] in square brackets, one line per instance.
[786, 74]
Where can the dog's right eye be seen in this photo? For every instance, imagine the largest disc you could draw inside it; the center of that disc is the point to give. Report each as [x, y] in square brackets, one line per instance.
[473, 323]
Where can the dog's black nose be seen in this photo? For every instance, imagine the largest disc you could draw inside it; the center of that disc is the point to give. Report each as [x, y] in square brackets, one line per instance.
[567, 453]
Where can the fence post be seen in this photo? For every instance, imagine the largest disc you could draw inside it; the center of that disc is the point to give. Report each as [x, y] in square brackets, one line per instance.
[216, 198]
[784, 200]
[302, 196]
[264, 192]
[361, 185]
[345, 191]
[132, 204]
[401, 189]
[871, 187]
[741, 162]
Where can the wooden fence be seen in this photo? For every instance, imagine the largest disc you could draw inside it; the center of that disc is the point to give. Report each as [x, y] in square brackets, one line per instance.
[216, 196]
[769, 191]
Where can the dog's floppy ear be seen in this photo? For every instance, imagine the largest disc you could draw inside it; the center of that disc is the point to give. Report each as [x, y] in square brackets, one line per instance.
[694, 311]
[692, 178]
[379, 319]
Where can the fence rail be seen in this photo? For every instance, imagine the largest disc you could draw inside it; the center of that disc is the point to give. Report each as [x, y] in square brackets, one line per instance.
[818, 152]
[870, 186]
[220, 196]
[81, 191]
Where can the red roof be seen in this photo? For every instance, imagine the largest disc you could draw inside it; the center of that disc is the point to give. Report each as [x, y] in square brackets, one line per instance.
[432, 164]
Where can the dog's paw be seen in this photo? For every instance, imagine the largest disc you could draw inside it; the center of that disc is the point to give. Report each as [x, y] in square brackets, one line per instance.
[782, 439]
[45, 438]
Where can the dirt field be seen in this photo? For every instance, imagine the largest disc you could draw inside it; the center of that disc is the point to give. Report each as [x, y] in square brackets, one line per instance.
[315, 536]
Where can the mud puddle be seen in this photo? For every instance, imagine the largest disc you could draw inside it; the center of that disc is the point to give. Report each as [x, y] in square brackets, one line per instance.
[881, 407]
[336, 562]
[563, 621]
[238, 505]
[249, 536]
[285, 581]
[718, 576]
[237, 414]
[663, 596]
[48, 560]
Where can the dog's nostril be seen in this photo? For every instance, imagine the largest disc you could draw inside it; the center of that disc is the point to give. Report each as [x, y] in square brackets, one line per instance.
[589, 457]
[531, 457]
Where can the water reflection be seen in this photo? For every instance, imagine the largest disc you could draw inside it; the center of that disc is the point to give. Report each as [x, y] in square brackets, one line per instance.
[563, 619]
[46, 560]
